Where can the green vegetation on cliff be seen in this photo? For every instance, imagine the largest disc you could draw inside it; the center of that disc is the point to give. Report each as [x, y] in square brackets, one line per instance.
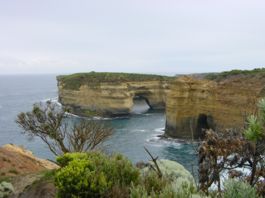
[95, 174]
[235, 72]
[74, 81]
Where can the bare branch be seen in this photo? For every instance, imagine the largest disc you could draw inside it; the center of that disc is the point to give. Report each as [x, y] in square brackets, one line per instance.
[156, 168]
[49, 124]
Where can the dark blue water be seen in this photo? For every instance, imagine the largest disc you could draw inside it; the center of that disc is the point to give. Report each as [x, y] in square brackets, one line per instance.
[131, 134]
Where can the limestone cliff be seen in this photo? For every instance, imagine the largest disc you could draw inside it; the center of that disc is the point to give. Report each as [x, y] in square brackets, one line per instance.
[110, 94]
[197, 104]
[192, 103]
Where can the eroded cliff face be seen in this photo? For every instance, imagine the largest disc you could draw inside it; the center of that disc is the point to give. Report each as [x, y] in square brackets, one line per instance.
[112, 98]
[194, 105]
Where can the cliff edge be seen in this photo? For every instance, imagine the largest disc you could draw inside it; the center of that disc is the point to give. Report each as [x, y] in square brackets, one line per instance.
[15, 160]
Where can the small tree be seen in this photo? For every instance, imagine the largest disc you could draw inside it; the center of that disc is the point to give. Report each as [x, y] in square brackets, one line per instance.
[255, 135]
[47, 121]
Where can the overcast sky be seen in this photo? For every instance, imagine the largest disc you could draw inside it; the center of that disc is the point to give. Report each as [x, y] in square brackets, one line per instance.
[144, 36]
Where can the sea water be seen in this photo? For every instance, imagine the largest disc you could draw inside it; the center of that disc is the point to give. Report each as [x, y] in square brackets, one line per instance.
[142, 128]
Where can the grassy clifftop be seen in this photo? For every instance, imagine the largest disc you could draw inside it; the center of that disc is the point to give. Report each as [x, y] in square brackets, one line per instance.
[74, 81]
[236, 72]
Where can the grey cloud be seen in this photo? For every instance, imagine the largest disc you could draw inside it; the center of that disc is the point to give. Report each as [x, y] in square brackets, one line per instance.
[131, 36]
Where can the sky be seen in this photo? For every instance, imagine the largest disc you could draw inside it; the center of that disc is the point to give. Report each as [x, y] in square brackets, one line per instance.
[140, 36]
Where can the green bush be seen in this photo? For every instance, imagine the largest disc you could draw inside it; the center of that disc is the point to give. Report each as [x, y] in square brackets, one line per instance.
[166, 192]
[227, 74]
[238, 189]
[68, 157]
[152, 186]
[93, 174]
[138, 192]
[153, 183]
[92, 79]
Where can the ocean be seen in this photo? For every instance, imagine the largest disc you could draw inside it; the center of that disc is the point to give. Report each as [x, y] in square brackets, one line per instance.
[131, 134]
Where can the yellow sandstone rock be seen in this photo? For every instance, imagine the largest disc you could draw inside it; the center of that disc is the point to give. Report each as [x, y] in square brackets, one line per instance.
[192, 104]
[112, 98]
[195, 104]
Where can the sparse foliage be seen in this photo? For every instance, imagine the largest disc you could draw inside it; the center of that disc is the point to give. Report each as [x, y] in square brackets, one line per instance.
[47, 121]
[230, 150]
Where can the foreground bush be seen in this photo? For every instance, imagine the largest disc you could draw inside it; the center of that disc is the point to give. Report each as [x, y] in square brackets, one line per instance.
[93, 174]
[175, 182]
[166, 191]
[239, 189]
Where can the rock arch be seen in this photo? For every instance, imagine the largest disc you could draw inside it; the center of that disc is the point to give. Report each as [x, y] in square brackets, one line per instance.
[112, 98]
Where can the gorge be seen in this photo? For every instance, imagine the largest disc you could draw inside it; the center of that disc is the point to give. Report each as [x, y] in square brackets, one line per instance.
[191, 103]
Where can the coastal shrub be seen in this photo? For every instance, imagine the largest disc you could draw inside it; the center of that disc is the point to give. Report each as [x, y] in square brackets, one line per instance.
[173, 182]
[93, 174]
[68, 157]
[153, 183]
[226, 74]
[166, 192]
[238, 189]
[118, 192]
[47, 122]
[92, 79]
[174, 173]
[138, 191]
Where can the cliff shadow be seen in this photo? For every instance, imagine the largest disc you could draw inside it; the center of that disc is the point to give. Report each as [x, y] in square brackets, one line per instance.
[204, 122]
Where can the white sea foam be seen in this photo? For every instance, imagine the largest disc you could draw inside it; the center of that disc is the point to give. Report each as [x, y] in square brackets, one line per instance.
[161, 142]
[225, 175]
[159, 130]
[89, 118]
[52, 100]
[139, 130]
[72, 115]
[101, 118]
